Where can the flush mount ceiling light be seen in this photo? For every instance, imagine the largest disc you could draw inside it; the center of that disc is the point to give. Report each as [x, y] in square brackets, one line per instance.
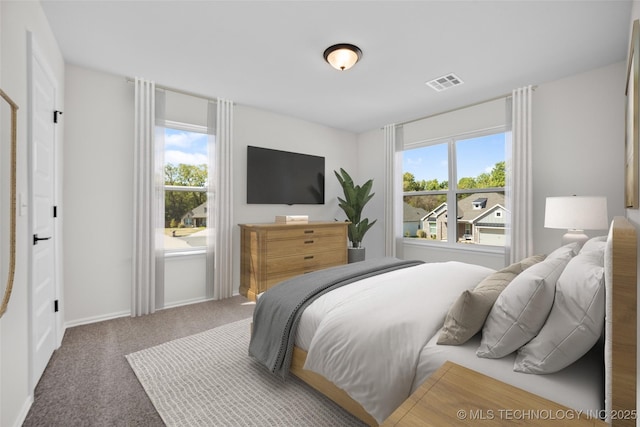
[342, 56]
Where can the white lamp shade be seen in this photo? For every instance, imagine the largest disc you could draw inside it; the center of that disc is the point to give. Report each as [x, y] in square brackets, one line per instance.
[576, 213]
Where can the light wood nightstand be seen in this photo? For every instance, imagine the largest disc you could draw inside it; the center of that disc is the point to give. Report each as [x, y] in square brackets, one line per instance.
[455, 395]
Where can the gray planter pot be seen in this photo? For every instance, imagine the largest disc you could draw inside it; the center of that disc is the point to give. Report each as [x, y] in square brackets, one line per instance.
[355, 254]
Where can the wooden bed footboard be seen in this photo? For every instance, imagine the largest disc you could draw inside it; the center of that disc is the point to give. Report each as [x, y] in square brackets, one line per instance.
[327, 388]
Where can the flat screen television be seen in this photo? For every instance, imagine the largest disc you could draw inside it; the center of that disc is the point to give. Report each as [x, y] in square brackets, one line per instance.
[282, 177]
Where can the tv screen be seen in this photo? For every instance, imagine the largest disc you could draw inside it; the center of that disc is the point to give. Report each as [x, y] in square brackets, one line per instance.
[282, 177]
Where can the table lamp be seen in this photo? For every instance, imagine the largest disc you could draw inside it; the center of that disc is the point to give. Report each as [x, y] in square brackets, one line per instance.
[576, 214]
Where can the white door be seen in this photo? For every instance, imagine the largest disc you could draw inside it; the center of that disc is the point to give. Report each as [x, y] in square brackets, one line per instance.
[42, 186]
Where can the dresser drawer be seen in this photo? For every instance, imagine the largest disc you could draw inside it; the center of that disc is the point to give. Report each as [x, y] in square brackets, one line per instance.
[303, 232]
[302, 263]
[305, 246]
[273, 278]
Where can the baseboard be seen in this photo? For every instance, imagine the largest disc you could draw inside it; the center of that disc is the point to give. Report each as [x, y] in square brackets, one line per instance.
[186, 302]
[95, 319]
[22, 415]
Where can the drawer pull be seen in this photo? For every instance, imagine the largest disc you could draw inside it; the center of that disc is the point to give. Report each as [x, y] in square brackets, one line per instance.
[306, 242]
[308, 231]
[309, 257]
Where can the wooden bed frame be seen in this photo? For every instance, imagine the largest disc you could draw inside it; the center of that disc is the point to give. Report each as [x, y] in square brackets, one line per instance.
[624, 348]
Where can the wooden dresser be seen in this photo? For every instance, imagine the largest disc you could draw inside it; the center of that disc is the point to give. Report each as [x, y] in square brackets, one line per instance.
[273, 252]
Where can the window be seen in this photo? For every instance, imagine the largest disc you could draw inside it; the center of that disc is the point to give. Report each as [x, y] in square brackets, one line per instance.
[185, 188]
[453, 190]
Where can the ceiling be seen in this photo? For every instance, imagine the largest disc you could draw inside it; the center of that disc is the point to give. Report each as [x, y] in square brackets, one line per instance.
[268, 54]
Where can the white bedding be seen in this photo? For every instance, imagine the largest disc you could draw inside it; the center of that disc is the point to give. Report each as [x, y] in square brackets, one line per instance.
[380, 334]
[369, 335]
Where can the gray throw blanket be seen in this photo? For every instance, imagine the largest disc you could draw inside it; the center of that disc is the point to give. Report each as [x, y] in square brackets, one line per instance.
[278, 311]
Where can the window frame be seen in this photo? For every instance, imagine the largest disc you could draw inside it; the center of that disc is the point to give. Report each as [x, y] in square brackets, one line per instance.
[187, 127]
[452, 191]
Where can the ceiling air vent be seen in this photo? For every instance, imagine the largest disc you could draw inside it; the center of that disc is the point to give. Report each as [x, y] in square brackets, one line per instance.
[444, 82]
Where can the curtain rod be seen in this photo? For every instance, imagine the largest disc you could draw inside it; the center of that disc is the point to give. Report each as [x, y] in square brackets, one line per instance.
[458, 108]
[183, 92]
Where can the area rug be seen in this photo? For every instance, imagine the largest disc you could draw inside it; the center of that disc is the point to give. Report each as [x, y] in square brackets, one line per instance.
[208, 379]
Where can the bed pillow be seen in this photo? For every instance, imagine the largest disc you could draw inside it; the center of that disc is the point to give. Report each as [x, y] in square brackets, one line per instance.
[594, 244]
[576, 319]
[522, 308]
[468, 313]
[571, 249]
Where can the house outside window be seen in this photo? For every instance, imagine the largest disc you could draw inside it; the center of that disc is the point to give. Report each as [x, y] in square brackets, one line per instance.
[459, 182]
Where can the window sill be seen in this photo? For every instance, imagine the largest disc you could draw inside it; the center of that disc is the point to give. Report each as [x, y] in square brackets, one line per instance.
[185, 253]
[455, 247]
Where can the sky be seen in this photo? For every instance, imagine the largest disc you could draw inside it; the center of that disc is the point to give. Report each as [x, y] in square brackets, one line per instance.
[475, 156]
[185, 147]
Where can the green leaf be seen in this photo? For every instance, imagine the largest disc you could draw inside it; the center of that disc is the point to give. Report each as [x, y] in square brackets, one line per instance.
[355, 198]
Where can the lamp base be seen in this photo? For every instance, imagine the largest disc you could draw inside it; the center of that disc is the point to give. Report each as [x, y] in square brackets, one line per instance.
[574, 236]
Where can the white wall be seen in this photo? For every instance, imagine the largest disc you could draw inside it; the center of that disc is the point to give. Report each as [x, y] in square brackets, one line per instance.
[184, 278]
[98, 192]
[578, 148]
[578, 144]
[98, 196]
[265, 129]
[16, 19]
[371, 165]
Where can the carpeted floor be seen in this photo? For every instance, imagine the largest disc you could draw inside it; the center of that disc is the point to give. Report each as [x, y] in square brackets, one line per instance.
[209, 379]
[88, 381]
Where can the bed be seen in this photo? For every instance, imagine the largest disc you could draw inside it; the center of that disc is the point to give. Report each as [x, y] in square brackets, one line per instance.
[369, 342]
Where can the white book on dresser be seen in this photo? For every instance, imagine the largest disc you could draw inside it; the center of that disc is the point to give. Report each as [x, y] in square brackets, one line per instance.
[287, 219]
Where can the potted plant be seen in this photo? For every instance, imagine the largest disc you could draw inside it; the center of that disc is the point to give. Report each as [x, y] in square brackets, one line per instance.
[355, 197]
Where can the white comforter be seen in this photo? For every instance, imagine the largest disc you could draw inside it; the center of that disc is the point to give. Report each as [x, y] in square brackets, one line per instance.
[369, 334]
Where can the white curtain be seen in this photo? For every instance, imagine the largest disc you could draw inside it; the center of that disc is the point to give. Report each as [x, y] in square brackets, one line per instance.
[223, 189]
[519, 192]
[147, 290]
[211, 200]
[392, 191]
